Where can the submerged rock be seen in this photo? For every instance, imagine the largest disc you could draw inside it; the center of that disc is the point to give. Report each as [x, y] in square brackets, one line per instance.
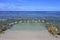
[3, 28]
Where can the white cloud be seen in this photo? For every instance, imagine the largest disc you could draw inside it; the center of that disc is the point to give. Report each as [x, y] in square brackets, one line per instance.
[8, 6]
[13, 7]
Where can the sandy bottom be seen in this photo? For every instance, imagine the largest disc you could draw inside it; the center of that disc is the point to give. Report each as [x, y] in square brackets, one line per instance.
[27, 35]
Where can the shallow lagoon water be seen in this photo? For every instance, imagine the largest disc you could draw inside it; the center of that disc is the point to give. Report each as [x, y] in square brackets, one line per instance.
[29, 26]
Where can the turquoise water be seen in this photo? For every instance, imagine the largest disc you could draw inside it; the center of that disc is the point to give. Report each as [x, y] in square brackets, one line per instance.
[29, 26]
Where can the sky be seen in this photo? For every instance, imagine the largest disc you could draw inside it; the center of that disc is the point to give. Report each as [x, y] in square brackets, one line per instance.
[29, 5]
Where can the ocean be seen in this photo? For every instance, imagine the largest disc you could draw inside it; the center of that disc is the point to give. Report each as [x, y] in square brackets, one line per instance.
[30, 14]
[45, 15]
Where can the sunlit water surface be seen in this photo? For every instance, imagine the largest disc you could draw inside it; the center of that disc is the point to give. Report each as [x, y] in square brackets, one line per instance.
[29, 26]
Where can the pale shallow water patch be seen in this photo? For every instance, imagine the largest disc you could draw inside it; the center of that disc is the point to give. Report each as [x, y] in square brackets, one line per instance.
[29, 26]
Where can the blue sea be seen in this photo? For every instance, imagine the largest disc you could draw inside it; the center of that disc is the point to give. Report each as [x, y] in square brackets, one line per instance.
[46, 15]
[30, 14]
